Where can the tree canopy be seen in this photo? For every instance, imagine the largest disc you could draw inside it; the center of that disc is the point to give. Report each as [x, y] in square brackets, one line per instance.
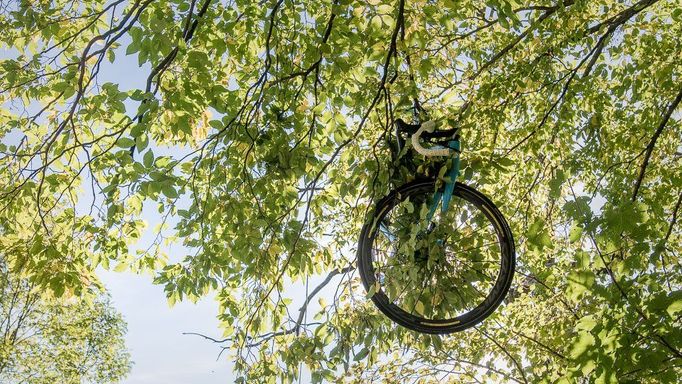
[45, 340]
[258, 141]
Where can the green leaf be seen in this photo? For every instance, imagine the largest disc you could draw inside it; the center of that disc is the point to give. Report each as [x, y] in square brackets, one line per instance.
[132, 48]
[419, 308]
[148, 158]
[137, 130]
[409, 207]
[675, 307]
[376, 22]
[141, 142]
[555, 184]
[125, 142]
[122, 267]
[587, 323]
[575, 233]
[373, 289]
[169, 192]
[677, 14]
[580, 282]
[361, 355]
[581, 347]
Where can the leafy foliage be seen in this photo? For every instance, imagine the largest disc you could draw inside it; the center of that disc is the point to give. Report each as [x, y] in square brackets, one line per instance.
[260, 137]
[49, 340]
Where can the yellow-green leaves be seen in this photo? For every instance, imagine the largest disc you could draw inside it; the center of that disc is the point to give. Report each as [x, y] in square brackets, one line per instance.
[259, 145]
[44, 337]
[579, 282]
[582, 347]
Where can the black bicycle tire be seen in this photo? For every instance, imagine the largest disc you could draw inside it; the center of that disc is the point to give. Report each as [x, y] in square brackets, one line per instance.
[464, 321]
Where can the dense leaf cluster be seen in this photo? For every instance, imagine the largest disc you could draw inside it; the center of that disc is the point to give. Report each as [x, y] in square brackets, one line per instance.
[45, 340]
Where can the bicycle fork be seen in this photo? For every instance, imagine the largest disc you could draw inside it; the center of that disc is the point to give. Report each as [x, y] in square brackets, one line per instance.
[445, 194]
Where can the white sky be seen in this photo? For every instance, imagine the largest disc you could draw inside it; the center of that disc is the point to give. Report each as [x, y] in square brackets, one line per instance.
[161, 353]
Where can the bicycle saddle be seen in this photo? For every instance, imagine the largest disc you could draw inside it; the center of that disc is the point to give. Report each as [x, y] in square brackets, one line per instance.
[411, 129]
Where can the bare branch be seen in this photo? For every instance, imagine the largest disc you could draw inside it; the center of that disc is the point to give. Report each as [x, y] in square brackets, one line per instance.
[652, 143]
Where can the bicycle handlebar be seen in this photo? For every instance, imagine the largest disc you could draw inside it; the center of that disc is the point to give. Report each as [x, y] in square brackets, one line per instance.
[429, 127]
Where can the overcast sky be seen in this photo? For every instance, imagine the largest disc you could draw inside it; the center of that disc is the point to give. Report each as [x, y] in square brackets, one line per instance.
[162, 354]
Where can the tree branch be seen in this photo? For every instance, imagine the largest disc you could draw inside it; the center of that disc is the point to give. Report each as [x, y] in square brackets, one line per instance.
[317, 290]
[652, 143]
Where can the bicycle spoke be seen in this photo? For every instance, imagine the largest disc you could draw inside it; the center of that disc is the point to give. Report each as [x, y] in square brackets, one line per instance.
[479, 271]
[397, 299]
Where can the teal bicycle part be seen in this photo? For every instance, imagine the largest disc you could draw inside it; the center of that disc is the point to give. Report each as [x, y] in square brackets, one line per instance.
[452, 174]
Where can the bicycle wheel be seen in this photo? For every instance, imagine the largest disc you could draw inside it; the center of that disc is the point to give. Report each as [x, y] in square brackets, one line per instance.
[438, 277]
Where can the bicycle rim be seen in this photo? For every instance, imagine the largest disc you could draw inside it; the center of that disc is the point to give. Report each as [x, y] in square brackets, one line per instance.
[438, 277]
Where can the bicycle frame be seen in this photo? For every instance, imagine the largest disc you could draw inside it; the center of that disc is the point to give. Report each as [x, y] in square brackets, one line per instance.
[413, 243]
[445, 195]
[452, 150]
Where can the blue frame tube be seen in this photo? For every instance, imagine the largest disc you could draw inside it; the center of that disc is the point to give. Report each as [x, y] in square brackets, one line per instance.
[446, 194]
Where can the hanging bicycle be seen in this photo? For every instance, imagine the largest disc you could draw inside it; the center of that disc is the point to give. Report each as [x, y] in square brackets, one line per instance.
[436, 270]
